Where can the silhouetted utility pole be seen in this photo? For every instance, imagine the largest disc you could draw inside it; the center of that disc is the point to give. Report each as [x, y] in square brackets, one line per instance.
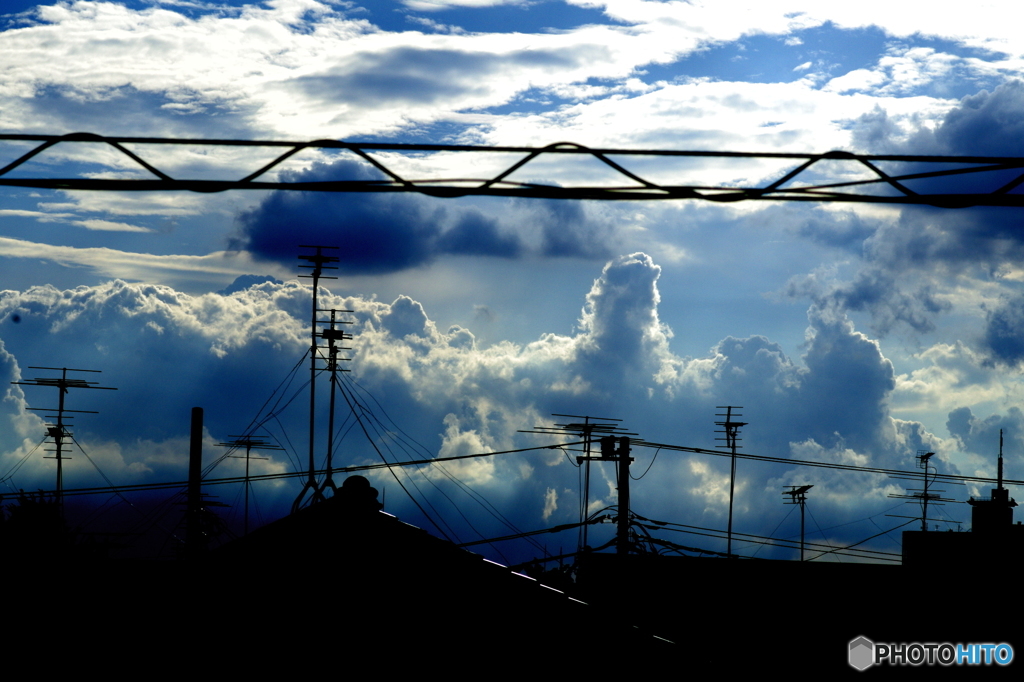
[925, 495]
[798, 495]
[586, 431]
[58, 431]
[731, 430]
[923, 463]
[333, 335]
[999, 465]
[318, 263]
[248, 442]
[621, 455]
[195, 537]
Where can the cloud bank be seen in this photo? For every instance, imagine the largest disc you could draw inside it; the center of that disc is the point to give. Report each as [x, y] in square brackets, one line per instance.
[451, 396]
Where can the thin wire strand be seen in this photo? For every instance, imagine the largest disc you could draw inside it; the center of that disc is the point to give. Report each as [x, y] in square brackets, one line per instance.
[14, 468]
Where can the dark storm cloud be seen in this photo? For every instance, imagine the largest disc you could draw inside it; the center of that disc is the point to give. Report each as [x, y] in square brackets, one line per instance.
[380, 233]
[1003, 338]
[377, 233]
[877, 133]
[848, 381]
[417, 76]
[837, 398]
[874, 290]
[846, 231]
[987, 124]
[984, 124]
[891, 251]
[906, 260]
[949, 241]
[981, 437]
[475, 234]
[567, 231]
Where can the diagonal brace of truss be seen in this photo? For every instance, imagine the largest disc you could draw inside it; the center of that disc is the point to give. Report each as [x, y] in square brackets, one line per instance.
[637, 188]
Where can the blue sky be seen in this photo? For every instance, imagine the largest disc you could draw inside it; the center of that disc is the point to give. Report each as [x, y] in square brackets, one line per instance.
[852, 334]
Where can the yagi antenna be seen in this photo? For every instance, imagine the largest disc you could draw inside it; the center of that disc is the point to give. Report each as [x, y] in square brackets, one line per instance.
[58, 429]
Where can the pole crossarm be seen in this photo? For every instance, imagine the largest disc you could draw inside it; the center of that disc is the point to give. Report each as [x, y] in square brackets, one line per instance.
[1003, 175]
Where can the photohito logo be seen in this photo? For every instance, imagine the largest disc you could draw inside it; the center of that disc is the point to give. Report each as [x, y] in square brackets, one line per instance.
[864, 653]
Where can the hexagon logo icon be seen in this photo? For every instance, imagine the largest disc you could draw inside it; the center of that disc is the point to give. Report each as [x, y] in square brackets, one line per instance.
[862, 653]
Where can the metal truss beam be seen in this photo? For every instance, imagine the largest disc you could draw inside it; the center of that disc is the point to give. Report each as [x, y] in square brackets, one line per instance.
[1005, 175]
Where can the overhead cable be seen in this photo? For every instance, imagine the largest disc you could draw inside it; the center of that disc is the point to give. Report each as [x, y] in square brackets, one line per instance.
[1004, 175]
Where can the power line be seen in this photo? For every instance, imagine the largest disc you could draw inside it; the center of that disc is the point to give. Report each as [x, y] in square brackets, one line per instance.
[826, 465]
[14, 469]
[390, 467]
[669, 525]
[1004, 173]
[780, 542]
[837, 549]
[289, 474]
[516, 536]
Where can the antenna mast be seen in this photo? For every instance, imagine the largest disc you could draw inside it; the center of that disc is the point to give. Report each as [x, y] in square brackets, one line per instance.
[994, 514]
[58, 431]
[333, 335]
[586, 430]
[798, 495]
[317, 263]
[248, 442]
[999, 486]
[925, 496]
[731, 430]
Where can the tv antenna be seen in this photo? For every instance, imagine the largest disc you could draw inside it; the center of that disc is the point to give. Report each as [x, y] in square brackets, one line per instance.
[997, 511]
[318, 262]
[57, 429]
[798, 495]
[925, 495]
[609, 431]
[248, 442]
[333, 335]
[731, 429]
